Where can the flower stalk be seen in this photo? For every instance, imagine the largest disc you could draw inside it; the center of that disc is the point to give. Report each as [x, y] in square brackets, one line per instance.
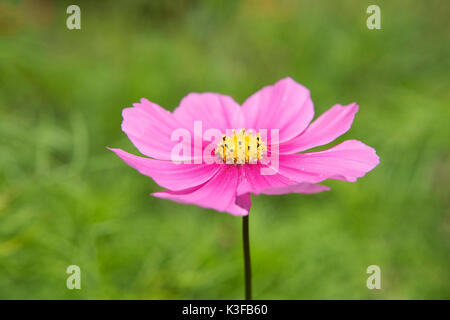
[247, 263]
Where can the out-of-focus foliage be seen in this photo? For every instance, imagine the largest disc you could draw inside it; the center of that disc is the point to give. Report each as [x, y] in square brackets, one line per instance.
[65, 199]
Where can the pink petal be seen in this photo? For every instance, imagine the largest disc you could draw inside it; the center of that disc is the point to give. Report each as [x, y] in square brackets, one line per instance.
[168, 174]
[286, 106]
[255, 182]
[297, 188]
[330, 125]
[214, 110]
[149, 127]
[347, 161]
[244, 201]
[219, 193]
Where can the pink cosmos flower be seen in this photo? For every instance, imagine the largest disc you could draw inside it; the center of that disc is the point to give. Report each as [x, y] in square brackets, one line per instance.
[226, 186]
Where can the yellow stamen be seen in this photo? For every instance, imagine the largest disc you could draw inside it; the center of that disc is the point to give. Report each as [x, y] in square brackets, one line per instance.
[241, 147]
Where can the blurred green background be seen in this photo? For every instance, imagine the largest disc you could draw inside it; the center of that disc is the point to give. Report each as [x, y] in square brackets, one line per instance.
[65, 199]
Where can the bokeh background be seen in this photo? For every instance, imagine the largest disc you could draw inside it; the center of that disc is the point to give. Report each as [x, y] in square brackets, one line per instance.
[65, 199]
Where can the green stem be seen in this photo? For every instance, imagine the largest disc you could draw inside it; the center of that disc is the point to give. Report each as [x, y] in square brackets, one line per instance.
[247, 265]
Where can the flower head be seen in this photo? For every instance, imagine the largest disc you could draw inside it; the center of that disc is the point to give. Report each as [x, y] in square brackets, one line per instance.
[213, 153]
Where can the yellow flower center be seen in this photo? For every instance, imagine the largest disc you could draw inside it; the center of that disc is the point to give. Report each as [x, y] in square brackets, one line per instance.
[241, 147]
